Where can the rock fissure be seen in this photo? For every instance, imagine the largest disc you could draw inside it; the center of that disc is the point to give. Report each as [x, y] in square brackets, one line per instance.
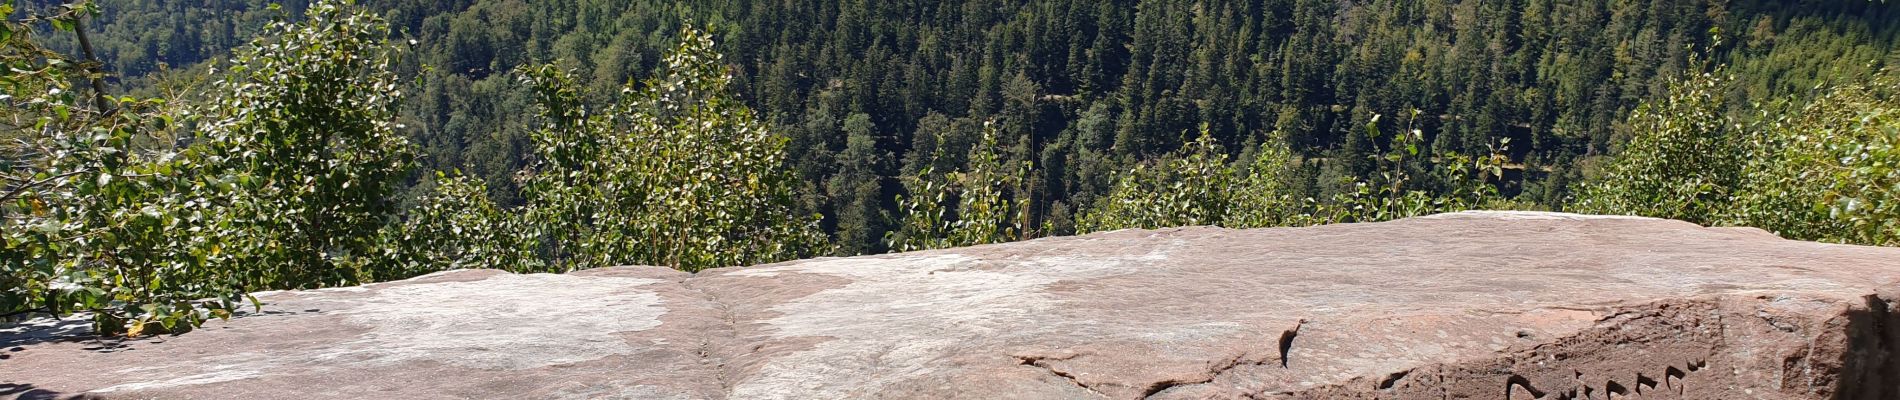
[1162, 386]
[1286, 342]
[1392, 379]
[1040, 363]
[708, 352]
[1228, 364]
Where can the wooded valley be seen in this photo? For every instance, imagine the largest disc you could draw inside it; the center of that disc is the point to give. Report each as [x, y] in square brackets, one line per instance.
[223, 146]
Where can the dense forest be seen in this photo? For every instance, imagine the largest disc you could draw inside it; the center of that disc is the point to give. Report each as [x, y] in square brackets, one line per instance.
[316, 144]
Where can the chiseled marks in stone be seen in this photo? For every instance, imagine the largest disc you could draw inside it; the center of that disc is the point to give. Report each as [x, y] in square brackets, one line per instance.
[901, 312]
[505, 322]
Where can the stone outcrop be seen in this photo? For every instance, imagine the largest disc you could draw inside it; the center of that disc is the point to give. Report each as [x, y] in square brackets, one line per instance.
[1489, 305]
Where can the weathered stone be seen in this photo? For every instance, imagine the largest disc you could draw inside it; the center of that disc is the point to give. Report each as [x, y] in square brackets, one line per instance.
[1470, 305]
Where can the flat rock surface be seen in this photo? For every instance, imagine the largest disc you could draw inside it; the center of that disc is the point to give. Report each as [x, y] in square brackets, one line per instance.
[1470, 305]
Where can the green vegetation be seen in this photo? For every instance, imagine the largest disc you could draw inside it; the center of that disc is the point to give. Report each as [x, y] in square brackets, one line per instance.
[1192, 187]
[1829, 169]
[135, 210]
[1199, 186]
[1081, 91]
[1683, 160]
[1824, 169]
[988, 197]
[350, 144]
[676, 173]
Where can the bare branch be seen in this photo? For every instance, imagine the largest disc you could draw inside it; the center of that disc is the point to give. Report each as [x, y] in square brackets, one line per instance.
[22, 188]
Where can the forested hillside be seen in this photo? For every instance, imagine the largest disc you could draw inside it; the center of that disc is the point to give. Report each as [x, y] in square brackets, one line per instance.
[1084, 90]
[339, 143]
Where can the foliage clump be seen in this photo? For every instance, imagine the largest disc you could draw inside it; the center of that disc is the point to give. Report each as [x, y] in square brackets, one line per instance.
[1199, 186]
[453, 226]
[1193, 186]
[157, 217]
[678, 172]
[1683, 158]
[1824, 169]
[1828, 169]
[987, 195]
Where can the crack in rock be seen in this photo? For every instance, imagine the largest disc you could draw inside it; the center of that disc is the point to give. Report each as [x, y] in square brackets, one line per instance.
[1038, 362]
[1225, 366]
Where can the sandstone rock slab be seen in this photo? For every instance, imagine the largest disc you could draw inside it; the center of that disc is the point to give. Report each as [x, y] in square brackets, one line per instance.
[1480, 305]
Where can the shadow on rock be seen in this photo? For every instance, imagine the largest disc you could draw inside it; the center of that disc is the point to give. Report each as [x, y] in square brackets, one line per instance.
[24, 391]
[1871, 369]
[15, 336]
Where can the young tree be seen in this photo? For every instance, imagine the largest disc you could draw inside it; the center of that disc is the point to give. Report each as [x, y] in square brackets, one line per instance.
[987, 193]
[1683, 160]
[677, 173]
[1829, 169]
[283, 184]
[857, 189]
[91, 218]
[1266, 196]
[992, 195]
[1190, 187]
[305, 125]
[453, 226]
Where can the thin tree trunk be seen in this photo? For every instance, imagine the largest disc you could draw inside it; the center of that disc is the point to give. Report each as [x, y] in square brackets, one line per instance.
[93, 71]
